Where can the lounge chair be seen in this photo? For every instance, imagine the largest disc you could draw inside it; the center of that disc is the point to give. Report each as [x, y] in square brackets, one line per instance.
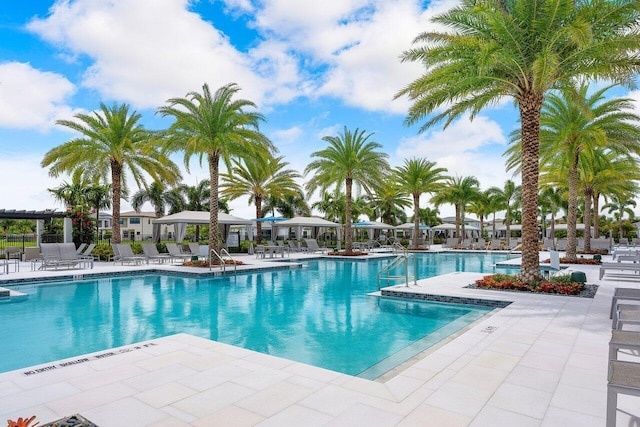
[13, 252]
[151, 253]
[624, 378]
[548, 244]
[285, 248]
[80, 248]
[125, 254]
[561, 245]
[451, 242]
[629, 294]
[260, 251]
[293, 247]
[59, 255]
[194, 248]
[312, 246]
[495, 245]
[175, 252]
[620, 266]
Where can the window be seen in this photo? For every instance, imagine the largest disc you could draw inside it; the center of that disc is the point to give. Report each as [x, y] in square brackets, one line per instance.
[134, 220]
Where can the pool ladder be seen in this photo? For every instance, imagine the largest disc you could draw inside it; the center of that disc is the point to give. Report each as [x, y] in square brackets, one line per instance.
[404, 261]
[223, 264]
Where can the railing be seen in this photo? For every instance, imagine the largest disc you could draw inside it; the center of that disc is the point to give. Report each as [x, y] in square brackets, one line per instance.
[399, 260]
[223, 264]
[397, 247]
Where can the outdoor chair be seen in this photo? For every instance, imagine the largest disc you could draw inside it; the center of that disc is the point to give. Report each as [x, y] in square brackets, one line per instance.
[125, 254]
[58, 255]
[624, 378]
[548, 244]
[293, 247]
[80, 248]
[495, 244]
[274, 249]
[194, 248]
[175, 252]
[561, 245]
[621, 266]
[150, 251]
[12, 252]
[626, 314]
[260, 251]
[451, 242]
[286, 249]
[312, 246]
[628, 294]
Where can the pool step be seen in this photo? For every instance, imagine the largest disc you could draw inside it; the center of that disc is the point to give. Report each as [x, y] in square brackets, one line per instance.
[8, 295]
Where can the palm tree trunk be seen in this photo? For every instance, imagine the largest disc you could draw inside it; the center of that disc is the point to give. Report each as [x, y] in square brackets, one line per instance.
[596, 217]
[508, 225]
[348, 240]
[258, 223]
[214, 233]
[587, 220]
[572, 211]
[116, 182]
[530, 105]
[416, 218]
[457, 206]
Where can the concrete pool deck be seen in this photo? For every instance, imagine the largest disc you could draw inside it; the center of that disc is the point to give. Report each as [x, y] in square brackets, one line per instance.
[541, 361]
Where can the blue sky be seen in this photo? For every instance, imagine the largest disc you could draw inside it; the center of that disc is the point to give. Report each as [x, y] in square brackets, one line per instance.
[312, 68]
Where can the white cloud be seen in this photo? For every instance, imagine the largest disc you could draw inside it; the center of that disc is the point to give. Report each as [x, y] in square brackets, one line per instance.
[460, 149]
[30, 191]
[145, 57]
[286, 136]
[32, 99]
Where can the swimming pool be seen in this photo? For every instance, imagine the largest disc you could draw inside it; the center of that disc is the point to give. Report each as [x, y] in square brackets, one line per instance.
[319, 314]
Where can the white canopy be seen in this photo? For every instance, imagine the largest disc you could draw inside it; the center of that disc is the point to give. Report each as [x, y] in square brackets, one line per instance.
[299, 222]
[181, 219]
[373, 224]
[564, 227]
[410, 225]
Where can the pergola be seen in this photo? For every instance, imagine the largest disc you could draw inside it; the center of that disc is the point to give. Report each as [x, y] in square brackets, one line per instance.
[39, 217]
[300, 222]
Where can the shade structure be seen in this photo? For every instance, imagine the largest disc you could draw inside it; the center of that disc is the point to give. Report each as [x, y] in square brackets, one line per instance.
[300, 222]
[272, 220]
[180, 221]
[409, 226]
[370, 226]
[564, 227]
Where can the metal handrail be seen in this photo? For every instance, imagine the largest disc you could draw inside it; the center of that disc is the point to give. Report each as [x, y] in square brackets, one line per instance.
[398, 247]
[223, 264]
[403, 258]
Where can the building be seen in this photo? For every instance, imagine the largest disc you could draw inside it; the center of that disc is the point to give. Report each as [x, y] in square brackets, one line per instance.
[137, 226]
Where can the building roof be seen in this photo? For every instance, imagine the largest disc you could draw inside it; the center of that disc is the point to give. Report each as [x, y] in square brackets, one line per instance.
[135, 214]
[23, 214]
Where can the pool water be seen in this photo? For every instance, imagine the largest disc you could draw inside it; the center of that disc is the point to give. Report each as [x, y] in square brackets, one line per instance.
[319, 314]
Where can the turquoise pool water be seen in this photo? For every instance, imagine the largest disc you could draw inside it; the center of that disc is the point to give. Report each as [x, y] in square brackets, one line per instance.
[319, 314]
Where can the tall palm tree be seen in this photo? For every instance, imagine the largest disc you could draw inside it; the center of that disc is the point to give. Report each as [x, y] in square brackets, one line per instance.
[215, 127]
[508, 198]
[417, 176]
[458, 191]
[260, 177]
[98, 197]
[111, 142]
[494, 49]
[572, 125]
[351, 159]
[429, 216]
[551, 198]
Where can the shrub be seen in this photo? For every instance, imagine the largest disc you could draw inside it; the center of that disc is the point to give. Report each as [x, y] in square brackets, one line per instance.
[557, 285]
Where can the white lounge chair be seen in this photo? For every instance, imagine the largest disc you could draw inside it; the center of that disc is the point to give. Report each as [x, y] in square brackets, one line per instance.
[312, 246]
[620, 266]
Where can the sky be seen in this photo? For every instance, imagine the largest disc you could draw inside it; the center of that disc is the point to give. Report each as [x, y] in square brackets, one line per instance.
[312, 68]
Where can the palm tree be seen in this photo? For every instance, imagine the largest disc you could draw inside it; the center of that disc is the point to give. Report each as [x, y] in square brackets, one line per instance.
[389, 202]
[494, 49]
[429, 216]
[551, 198]
[350, 159]
[98, 197]
[260, 177]
[619, 206]
[70, 194]
[215, 127]
[508, 198]
[572, 125]
[458, 191]
[111, 142]
[417, 176]
[482, 206]
[331, 205]
[154, 194]
[288, 206]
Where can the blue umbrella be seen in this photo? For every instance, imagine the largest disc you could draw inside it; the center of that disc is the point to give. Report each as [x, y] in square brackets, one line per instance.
[270, 219]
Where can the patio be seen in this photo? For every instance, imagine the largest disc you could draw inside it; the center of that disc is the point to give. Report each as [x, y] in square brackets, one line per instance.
[541, 361]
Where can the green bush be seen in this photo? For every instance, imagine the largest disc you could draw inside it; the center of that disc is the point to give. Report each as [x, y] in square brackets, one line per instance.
[102, 251]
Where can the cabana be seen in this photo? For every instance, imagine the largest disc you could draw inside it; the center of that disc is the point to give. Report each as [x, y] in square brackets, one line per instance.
[314, 223]
[371, 227]
[181, 219]
[409, 226]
